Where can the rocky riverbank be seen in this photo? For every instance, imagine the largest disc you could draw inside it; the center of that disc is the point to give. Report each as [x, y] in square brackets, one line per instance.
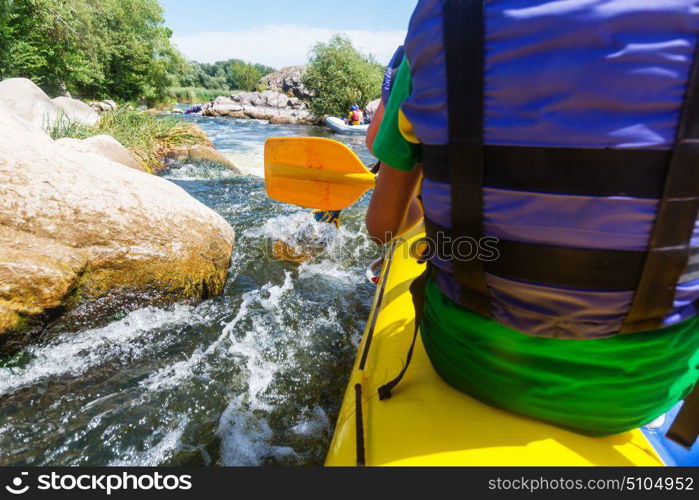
[85, 232]
[282, 98]
[269, 105]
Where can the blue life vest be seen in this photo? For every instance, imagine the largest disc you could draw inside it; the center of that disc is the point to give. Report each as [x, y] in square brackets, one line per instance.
[552, 136]
[390, 74]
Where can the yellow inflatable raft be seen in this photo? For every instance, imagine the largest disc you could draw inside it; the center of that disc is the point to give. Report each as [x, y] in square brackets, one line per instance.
[427, 422]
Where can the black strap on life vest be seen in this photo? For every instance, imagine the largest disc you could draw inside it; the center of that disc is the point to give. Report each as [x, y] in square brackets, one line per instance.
[637, 173]
[607, 270]
[669, 247]
[685, 428]
[464, 34]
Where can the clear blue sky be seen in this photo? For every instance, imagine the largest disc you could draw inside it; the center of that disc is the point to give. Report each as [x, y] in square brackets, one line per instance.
[187, 17]
[280, 32]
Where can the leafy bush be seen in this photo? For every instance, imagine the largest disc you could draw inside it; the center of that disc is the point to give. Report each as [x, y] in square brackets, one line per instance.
[244, 76]
[339, 76]
[149, 137]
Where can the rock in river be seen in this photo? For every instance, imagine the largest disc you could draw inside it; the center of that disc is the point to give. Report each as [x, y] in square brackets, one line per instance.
[25, 99]
[288, 81]
[275, 107]
[83, 238]
[106, 146]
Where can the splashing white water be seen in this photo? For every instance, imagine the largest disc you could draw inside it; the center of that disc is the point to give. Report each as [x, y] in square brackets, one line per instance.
[199, 171]
[249, 163]
[329, 270]
[75, 355]
[316, 423]
[246, 437]
[298, 230]
[156, 454]
[245, 434]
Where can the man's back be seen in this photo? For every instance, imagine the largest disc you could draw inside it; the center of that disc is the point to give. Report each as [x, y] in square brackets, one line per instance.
[553, 128]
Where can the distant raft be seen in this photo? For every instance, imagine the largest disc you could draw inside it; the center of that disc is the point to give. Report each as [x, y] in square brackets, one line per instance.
[339, 126]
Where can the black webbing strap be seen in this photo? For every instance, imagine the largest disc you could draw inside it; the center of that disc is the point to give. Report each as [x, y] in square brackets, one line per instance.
[637, 173]
[359, 426]
[669, 247]
[685, 428]
[417, 290]
[580, 268]
[463, 43]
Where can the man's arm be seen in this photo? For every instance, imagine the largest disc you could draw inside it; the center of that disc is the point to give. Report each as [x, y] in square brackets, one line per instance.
[394, 208]
[374, 127]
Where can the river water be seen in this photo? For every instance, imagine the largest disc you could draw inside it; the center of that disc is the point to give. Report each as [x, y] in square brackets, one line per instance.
[253, 377]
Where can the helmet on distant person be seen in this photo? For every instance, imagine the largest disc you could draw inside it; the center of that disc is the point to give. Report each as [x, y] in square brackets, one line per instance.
[354, 108]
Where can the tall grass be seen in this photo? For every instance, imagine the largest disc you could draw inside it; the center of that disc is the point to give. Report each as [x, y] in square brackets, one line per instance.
[196, 95]
[149, 137]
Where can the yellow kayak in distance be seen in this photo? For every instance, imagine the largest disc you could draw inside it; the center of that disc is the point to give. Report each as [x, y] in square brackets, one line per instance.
[429, 423]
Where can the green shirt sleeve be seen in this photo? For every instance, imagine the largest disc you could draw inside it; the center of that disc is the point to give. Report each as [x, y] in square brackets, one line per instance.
[390, 147]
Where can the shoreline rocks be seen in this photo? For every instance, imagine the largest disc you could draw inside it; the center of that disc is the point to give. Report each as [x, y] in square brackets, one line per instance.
[275, 107]
[287, 81]
[76, 111]
[282, 99]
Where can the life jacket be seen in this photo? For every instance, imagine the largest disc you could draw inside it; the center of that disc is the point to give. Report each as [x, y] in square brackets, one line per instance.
[357, 117]
[390, 75]
[563, 138]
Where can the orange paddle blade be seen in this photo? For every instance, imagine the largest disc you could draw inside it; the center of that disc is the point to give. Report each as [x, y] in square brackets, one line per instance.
[313, 172]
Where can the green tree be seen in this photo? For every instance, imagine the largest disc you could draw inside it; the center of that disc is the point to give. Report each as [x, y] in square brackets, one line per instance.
[232, 74]
[339, 76]
[243, 76]
[111, 48]
[48, 41]
[141, 58]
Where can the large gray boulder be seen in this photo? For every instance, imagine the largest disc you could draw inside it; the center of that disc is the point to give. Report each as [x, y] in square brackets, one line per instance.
[76, 110]
[79, 232]
[288, 81]
[24, 98]
[105, 146]
[276, 107]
